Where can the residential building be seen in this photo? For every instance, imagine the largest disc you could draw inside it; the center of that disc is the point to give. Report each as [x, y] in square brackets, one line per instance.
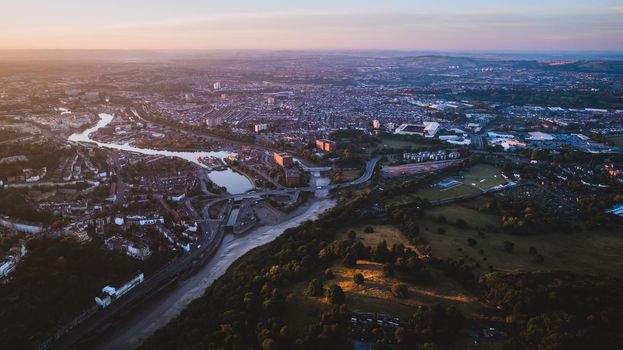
[325, 145]
[292, 177]
[284, 159]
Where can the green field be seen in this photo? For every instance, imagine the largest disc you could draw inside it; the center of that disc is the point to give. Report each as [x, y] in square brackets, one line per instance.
[562, 251]
[617, 140]
[389, 143]
[476, 219]
[397, 144]
[479, 178]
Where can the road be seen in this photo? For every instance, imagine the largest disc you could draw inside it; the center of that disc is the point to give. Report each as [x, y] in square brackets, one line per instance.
[266, 177]
[121, 186]
[100, 321]
[365, 177]
[203, 178]
[208, 244]
[139, 326]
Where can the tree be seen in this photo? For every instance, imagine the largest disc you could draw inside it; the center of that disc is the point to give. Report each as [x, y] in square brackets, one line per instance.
[388, 270]
[532, 251]
[429, 346]
[461, 223]
[540, 259]
[6, 243]
[400, 290]
[509, 246]
[335, 294]
[268, 344]
[472, 242]
[381, 253]
[314, 288]
[358, 278]
[352, 234]
[368, 229]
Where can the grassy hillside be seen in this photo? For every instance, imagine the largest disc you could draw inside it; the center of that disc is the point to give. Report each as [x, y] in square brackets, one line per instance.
[393, 280]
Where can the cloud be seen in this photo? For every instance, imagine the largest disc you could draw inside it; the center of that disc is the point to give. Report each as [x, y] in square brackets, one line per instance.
[617, 9]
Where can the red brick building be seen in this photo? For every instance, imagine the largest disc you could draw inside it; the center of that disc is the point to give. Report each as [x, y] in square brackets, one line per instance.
[284, 159]
[325, 145]
[293, 178]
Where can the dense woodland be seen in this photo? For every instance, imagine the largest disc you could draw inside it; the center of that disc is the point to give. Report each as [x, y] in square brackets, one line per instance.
[566, 99]
[39, 156]
[16, 204]
[56, 281]
[559, 310]
[246, 308]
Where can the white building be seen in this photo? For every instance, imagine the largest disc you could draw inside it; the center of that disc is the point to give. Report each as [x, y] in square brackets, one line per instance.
[261, 127]
[426, 129]
[6, 267]
[213, 122]
[109, 294]
[539, 136]
[145, 221]
[20, 227]
[138, 251]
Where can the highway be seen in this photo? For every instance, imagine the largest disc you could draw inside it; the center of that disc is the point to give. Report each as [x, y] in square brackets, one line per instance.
[179, 268]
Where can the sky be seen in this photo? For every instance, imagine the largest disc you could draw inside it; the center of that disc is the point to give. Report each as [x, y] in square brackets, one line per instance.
[440, 25]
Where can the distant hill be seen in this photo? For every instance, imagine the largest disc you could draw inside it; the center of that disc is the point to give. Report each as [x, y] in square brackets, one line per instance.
[433, 61]
[593, 66]
[439, 61]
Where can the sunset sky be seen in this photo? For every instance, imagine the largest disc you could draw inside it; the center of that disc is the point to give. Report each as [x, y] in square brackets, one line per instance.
[318, 24]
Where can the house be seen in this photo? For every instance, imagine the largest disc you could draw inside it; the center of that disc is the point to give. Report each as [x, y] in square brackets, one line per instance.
[138, 251]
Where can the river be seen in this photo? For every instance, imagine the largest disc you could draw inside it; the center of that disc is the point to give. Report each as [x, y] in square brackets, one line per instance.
[233, 181]
[146, 321]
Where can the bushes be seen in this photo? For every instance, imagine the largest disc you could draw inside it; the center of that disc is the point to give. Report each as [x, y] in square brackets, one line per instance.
[298, 253]
[400, 290]
[430, 327]
[358, 278]
[560, 310]
[314, 288]
[335, 294]
[509, 246]
[56, 281]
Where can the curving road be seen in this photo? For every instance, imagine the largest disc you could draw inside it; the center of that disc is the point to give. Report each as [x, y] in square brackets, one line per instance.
[187, 265]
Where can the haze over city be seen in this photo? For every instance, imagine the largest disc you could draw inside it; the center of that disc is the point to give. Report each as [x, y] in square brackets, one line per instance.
[322, 24]
[305, 175]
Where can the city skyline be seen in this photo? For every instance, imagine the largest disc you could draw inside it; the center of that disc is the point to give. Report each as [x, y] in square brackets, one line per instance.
[276, 24]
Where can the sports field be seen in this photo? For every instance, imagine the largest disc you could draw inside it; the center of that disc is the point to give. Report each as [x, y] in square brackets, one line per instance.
[478, 178]
[418, 168]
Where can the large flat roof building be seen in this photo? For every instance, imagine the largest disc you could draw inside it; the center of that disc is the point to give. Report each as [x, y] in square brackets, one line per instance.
[325, 145]
[426, 129]
[284, 159]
